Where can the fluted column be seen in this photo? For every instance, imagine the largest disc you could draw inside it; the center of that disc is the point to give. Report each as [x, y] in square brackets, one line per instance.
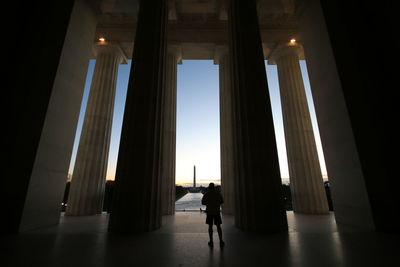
[258, 187]
[226, 134]
[308, 193]
[169, 133]
[88, 179]
[137, 192]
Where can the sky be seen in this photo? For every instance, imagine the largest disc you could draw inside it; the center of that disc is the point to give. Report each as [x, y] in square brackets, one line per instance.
[197, 136]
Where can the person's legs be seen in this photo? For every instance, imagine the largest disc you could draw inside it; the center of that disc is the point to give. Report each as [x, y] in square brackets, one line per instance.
[219, 229]
[210, 232]
[210, 221]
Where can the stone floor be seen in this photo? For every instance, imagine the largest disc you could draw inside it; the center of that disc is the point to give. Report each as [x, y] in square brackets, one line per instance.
[182, 241]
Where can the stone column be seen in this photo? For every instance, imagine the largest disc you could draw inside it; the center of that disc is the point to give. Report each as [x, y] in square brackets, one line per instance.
[340, 85]
[26, 194]
[53, 154]
[226, 128]
[308, 193]
[169, 133]
[258, 188]
[88, 180]
[137, 192]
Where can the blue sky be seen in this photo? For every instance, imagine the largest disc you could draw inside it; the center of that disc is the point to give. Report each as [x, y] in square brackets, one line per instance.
[198, 140]
[197, 120]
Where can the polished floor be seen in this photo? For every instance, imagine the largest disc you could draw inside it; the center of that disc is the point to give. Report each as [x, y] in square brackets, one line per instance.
[182, 241]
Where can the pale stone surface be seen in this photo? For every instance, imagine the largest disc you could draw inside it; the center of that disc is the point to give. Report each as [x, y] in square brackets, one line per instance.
[349, 195]
[88, 180]
[226, 128]
[306, 184]
[47, 184]
[169, 134]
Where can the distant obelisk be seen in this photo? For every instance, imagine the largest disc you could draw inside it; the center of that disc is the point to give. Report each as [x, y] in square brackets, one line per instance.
[194, 176]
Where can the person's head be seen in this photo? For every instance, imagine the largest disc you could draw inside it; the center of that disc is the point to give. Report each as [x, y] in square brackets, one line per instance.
[211, 186]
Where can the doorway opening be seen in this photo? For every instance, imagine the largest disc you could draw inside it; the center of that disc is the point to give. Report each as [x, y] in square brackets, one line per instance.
[197, 132]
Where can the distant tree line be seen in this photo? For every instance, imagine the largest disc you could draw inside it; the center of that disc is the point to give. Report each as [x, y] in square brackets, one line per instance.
[181, 191]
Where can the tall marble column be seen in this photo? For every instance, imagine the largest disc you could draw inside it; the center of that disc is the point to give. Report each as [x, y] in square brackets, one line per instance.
[137, 191]
[258, 188]
[226, 128]
[88, 179]
[169, 132]
[308, 192]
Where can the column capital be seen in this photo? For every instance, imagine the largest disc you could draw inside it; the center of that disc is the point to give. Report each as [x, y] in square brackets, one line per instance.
[175, 50]
[283, 50]
[219, 52]
[109, 48]
[172, 13]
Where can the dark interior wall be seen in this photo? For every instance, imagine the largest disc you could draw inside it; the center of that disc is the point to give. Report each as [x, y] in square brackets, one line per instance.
[35, 34]
[365, 51]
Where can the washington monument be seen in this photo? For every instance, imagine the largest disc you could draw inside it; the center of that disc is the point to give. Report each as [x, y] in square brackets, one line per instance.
[194, 176]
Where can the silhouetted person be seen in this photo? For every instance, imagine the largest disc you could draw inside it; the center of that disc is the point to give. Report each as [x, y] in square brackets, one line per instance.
[213, 200]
